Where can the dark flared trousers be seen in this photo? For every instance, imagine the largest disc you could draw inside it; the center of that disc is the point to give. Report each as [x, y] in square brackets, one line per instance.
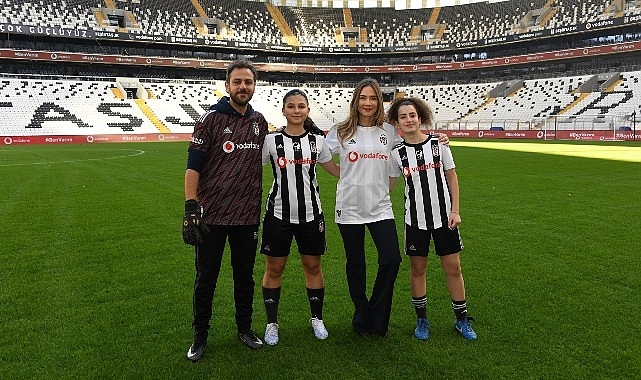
[371, 315]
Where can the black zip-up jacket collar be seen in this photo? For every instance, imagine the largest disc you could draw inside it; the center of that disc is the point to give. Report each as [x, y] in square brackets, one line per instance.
[223, 106]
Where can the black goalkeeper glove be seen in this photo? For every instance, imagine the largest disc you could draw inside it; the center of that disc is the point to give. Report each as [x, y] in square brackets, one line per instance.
[193, 228]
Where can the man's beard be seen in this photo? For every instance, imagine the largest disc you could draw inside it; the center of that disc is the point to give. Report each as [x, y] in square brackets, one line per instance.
[240, 101]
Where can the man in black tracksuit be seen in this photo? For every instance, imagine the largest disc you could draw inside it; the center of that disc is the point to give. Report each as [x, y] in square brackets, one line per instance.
[223, 191]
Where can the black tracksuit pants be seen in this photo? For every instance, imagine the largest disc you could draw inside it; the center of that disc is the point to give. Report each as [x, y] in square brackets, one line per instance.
[243, 241]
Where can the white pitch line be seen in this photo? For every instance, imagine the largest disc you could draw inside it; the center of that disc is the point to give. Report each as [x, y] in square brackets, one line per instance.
[137, 152]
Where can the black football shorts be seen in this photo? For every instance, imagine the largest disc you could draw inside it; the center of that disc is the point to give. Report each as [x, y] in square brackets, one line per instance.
[278, 235]
[446, 241]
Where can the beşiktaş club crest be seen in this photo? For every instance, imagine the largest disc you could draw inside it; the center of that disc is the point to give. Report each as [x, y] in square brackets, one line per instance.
[435, 151]
[383, 139]
[321, 226]
[256, 128]
[312, 146]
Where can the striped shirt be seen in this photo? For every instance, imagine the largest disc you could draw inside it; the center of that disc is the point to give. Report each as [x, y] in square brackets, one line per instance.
[294, 195]
[230, 187]
[362, 193]
[427, 195]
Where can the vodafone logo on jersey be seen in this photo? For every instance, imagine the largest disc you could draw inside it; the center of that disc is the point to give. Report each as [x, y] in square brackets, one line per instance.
[421, 168]
[230, 146]
[282, 162]
[355, 156]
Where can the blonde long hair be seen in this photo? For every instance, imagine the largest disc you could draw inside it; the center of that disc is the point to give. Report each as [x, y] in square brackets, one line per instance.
[347, 128]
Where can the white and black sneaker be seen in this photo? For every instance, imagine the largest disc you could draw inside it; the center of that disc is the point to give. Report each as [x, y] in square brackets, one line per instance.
[196, 350]
[271, 334]
[320, 332]
[251, 339]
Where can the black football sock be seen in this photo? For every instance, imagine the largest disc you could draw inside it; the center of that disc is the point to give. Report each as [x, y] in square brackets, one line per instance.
[316, 299]
[460, 309]
[420, 306]
[271, 298]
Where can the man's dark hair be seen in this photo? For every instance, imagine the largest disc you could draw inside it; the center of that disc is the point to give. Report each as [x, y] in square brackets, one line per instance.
[241, 64]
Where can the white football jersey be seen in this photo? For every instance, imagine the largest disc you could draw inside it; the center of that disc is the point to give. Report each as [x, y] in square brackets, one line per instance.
[428, 202]
[294, 196]
[362, 193]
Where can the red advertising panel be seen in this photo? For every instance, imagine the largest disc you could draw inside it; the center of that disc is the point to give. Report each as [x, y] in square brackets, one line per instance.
[94, 139]
[346, 69]
[577, 135]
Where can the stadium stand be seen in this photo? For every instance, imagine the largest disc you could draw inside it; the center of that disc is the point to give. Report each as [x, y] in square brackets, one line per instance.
[383, 26]
[249, 22]
[451, 102]
[485, 20]
[252, 22]
[315, 26]
[178, 106]
[64, 102]
[167, 18]
[59, 106]
[536, 99]
[66, 13]
[575, 12]
[68, 107]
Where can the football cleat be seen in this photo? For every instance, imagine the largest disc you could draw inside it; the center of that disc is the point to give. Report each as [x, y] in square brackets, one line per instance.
[271, 334]
[196, 350]
[464, 328]
[422, 330]
[320, 332]
[250, 339]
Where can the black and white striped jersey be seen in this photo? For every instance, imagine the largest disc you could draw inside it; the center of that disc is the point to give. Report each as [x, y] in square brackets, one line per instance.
[294, 195]
[428, 201]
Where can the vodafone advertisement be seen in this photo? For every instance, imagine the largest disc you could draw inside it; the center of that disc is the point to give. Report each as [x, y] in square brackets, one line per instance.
[94, 139]
[579, 53]
[583, 135]
[578, 135]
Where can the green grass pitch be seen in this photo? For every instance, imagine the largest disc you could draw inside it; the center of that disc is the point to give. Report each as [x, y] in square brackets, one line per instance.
[96, 281]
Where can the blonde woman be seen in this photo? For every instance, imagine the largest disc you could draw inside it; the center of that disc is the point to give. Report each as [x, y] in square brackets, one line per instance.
[363, 142]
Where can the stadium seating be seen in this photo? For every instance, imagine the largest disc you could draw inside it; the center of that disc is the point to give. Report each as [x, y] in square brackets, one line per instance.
[73, 106]
[67, 107]
[50, 106]
[251, 21]
[74, 14]
[573, 12]
[166, 18]
[315, 26]
[476, 21]
[388, 27]
[451, 102]
[178, 105]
